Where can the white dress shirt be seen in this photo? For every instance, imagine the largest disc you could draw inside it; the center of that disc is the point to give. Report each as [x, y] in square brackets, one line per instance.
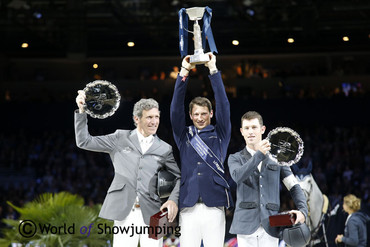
[145, 142]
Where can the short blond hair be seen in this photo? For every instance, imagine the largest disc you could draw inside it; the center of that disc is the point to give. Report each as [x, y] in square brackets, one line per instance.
[352, 202]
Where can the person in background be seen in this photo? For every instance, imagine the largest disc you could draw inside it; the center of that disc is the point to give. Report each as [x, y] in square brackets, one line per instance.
[355, 232]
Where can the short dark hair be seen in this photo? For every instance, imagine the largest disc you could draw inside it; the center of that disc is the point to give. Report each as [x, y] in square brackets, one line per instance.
[201, 101]
[252, 115]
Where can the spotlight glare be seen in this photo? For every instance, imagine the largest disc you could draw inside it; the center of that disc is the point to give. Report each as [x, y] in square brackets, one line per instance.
[345, 38]
[95, 65]
[130, 44]
[290, 40]
[24, 45]
[235, 42]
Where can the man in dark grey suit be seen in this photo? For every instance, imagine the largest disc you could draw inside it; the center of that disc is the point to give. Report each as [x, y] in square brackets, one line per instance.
[137, 155]
[258, 183]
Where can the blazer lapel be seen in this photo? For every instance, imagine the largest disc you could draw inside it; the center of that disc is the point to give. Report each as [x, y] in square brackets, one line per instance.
[246, 154]
[135, 140]
[156, 144]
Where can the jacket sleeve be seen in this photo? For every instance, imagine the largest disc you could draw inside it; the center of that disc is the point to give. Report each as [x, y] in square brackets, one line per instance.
[85, 141]
[352, 239]
[173, 168]
[177, 109]
[222, 111]
[295, 190]
[299, 199]
[241, 171]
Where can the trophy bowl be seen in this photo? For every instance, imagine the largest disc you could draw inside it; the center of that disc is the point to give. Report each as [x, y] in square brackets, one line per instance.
[286, 146]
[102, 99]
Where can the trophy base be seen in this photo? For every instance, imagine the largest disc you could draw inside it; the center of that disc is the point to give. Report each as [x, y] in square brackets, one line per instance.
[199, 59]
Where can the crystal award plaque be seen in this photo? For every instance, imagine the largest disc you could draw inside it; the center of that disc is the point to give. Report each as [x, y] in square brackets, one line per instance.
[286, 146]
[102, 99]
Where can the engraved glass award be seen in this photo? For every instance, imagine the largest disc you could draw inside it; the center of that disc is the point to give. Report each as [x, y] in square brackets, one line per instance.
[102, 99]
[286, 146]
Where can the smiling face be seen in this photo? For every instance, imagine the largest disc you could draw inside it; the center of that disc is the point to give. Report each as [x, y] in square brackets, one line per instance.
[252, 132]
[201, 116]
[148, 123]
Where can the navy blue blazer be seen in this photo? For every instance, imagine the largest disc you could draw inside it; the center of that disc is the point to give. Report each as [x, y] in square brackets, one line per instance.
[197, 178]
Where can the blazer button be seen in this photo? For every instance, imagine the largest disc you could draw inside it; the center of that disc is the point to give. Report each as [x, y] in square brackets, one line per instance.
[199, 163]
[199, 173]
[138, 179]
[140, 167]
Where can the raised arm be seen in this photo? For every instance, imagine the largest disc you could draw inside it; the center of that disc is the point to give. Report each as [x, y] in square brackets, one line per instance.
[83, 138]
[177, 110]
[222, 103]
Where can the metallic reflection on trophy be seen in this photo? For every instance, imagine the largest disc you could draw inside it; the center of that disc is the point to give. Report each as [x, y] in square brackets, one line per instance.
[102, 99]
[286, 146]
[201, 37]
[196, 14]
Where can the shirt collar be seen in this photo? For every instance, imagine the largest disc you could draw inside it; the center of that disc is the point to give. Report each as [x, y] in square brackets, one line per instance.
[141, 138]
[251, 151]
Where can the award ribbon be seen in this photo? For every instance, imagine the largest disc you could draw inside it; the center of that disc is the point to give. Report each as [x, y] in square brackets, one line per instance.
[183, 33]
[206, 153]
[207, 31]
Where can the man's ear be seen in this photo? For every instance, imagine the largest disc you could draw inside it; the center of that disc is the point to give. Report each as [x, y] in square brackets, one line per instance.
[191, 117]
[211, 114]
[263, 129]
[136, 119]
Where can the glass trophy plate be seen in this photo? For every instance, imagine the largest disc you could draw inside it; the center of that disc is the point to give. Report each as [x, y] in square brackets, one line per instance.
[102, 99]
[286, 146]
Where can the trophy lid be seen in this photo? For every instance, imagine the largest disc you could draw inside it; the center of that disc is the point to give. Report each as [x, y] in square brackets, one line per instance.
[286, 146]
[195, 13]
[102, 99]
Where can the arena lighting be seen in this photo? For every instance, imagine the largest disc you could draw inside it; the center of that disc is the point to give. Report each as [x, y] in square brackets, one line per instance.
[290, 40]
[345, 38]
[24, 45]
[130, 44]
[37, 15]
[235, 42]
[95, 65]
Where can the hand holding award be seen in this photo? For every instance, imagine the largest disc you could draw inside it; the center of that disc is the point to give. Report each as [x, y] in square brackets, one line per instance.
[100, 99]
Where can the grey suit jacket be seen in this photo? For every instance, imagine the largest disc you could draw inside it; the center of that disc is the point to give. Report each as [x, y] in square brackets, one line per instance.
[135, 173]
[258, 194]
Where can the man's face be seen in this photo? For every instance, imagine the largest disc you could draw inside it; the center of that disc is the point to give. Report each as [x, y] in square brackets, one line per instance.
[149, 122]
[252, 131]
[201, 116]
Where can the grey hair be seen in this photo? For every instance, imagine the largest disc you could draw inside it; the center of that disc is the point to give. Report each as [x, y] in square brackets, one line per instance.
[144, 104]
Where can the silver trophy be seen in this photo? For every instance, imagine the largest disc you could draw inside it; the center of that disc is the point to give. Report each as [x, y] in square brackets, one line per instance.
[196, 14]
[286, 146]
[102, 99]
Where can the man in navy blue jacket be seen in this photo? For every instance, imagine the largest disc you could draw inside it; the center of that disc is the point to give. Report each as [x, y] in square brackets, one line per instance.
[204, 191]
